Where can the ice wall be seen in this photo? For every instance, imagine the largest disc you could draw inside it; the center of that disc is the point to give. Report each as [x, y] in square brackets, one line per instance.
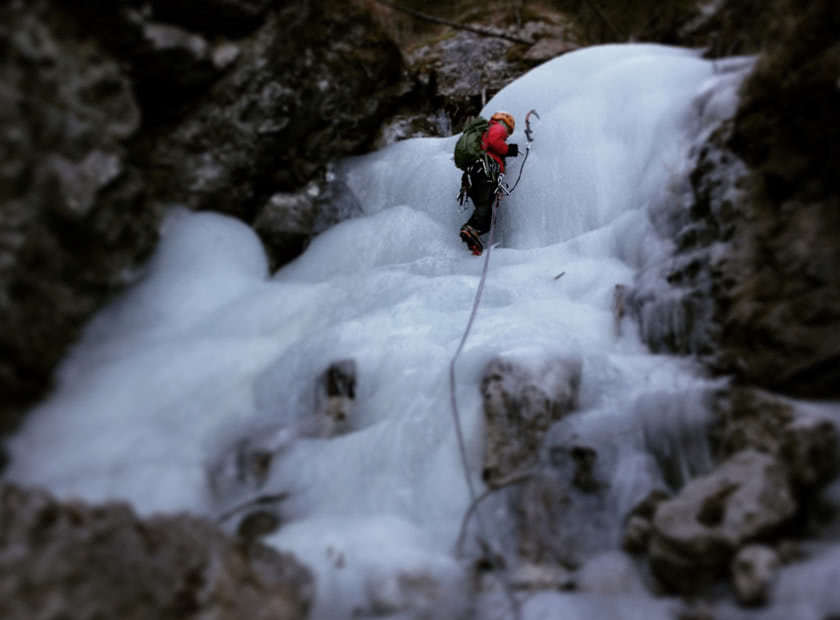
[209, 347]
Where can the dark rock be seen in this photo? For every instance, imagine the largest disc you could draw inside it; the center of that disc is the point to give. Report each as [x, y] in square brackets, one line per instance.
[335, 395]
[639, 524]
[809, 448]
[697, 532]
[257, 524]
[213, 16]
[62, 560]
[74, 222]
[310, 86]
[289, 221]
[169, 57]
[637, 533]
[520, 404]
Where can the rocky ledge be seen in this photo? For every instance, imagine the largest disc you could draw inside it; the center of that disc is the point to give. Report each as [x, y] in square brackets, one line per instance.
[69, 559]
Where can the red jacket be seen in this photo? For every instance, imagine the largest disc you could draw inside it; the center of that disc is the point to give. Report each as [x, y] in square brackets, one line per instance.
[493, 141]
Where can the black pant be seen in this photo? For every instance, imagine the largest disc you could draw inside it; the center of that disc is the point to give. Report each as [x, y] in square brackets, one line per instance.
[483, 194]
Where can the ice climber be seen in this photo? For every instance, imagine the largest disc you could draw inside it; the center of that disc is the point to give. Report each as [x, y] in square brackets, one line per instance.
[480, 153]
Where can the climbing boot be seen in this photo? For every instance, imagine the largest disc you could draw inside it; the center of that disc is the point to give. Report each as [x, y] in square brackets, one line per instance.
[469, 235]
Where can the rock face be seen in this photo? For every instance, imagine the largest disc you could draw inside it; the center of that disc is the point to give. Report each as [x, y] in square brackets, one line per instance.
[520, 404]
[696, 534]
[781, 304]
[756, 264]
[61, 560]
[310, 86]
[110, 111]
[74, 221]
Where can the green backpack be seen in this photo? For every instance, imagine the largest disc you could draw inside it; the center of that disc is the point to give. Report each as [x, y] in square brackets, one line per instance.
[468, 148]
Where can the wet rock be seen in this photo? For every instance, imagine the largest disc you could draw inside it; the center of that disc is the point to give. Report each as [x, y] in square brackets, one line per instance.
[754, 570]
[70, 559]
[520, 403]
[697, 532]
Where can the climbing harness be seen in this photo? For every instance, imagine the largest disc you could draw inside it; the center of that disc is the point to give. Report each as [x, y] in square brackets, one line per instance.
[501, 188]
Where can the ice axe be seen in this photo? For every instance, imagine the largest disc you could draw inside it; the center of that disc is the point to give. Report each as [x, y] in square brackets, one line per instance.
[529, 135]
[528, 130]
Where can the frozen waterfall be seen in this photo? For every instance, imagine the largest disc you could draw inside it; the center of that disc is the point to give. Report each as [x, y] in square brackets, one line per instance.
[209, 347]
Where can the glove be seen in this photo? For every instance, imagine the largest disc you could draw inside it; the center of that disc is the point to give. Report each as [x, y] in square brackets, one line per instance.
[513, 150]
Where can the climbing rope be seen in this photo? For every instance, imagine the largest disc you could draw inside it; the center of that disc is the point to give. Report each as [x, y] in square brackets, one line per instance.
[501, 188]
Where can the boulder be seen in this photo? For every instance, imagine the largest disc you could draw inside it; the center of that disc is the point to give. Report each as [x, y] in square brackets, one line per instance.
[520, 403]
[290, 220]
[754, 570]
[696, 533]
[70, 559]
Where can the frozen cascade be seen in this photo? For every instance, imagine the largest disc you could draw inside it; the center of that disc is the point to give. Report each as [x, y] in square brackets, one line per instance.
[209, 348]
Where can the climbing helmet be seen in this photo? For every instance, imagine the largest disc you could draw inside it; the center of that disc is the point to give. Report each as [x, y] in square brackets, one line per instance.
[506, 118]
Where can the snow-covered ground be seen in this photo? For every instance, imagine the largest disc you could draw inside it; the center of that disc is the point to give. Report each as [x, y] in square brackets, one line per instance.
[210, 346]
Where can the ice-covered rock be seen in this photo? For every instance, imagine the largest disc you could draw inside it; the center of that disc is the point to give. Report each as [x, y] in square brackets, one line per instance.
[520, 404]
